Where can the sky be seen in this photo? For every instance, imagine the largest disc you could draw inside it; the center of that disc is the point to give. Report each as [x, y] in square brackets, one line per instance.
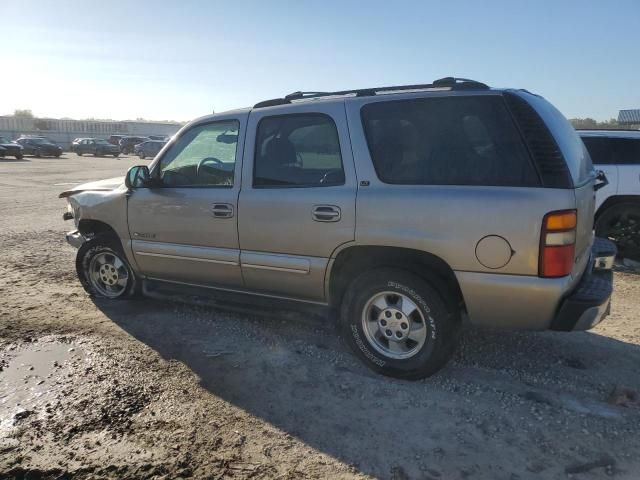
[177, 60]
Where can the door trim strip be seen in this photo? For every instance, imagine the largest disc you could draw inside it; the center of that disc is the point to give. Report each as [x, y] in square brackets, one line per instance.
[195, 259]
[277, 269]
[236, 290]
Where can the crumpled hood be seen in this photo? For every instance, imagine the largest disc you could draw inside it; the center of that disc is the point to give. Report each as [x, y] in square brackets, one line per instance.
[100, 185]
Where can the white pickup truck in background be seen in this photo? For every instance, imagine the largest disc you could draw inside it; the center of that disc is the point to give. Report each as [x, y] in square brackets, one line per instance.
[617, 154]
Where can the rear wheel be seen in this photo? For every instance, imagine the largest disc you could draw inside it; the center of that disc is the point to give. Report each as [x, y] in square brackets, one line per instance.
[79, 153]
[142, 155]
[38, 153]
[620, 223]
[103, 269]
[19, 156]
[398, 324]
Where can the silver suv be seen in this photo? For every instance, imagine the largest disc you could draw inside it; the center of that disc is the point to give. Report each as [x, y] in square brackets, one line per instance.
[405, 209]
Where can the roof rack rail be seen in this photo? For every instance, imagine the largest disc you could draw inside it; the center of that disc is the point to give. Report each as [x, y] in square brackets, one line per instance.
[453, 83]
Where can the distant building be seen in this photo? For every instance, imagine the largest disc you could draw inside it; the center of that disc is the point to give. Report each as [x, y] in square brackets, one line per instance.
[629, 117]
[64, 131]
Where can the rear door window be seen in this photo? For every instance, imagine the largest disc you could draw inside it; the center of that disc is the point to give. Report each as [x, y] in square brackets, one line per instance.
[626, 151]
[466, 140]
[299, 150]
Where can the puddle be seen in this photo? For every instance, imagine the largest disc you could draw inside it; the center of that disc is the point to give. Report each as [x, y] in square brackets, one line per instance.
[29, 381]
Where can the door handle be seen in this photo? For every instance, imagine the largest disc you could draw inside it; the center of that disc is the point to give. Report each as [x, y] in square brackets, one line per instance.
[326, 213]
[222, 210]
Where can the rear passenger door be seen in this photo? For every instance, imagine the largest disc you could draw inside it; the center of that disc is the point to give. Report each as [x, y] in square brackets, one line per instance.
[603, 158]
[297, 203]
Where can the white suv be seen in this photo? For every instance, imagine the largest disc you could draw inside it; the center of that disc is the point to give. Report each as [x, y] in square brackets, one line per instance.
[617, 154]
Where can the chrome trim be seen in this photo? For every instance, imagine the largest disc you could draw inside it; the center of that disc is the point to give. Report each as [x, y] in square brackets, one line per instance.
[195, 259]
[277, 269]
[234, 290]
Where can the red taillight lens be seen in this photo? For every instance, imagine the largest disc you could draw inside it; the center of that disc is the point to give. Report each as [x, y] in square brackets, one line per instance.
[557, 243]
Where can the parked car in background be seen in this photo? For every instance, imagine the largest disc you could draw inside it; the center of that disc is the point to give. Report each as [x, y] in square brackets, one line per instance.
[404, 209]
[94, 146]
[11, 149]
[39, 147]
[127, 143]
[115, 139]
[162, 138]
[617, 154]
[150, 148]
[3, 151]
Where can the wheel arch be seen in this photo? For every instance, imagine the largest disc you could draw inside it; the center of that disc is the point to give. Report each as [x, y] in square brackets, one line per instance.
[90, 228]
[356, 259]
[615, 200]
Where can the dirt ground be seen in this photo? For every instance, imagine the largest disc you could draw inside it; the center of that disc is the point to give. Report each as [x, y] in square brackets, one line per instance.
[153, 389]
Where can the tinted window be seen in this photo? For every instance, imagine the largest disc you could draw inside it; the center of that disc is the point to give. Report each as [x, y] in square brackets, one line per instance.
[447, 141]
[626, 151]
[203, 155]
[599, 150]
[297, 151]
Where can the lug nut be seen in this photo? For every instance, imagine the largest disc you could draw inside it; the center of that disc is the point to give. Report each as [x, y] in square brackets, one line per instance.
[389, 333]
[398, 315]
[387, 314]
[399, 334]
[404, 326]
[383, 322]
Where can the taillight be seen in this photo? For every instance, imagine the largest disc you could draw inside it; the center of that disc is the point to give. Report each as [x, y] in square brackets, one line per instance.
[558, 243]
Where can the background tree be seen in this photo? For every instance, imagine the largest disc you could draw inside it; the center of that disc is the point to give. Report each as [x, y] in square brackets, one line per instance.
[23, 113]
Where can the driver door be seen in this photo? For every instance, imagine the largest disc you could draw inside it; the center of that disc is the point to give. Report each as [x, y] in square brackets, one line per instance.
[186, 229]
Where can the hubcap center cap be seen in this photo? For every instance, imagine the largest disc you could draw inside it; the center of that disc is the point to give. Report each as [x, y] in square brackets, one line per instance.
[393, 324]
[108, 274]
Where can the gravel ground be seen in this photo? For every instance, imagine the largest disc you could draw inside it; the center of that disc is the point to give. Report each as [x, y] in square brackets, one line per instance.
[154, 389]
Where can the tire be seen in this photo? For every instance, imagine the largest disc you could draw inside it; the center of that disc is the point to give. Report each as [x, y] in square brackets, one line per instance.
[19, 156]
[103, 269]
[58, 155]
[96, 152]
[38, 153]
[116, 155]
[414, 355]
[141, 155]
[79, 153]
[621, 224]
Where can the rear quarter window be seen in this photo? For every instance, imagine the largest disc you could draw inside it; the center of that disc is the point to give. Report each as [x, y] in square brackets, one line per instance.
[463, 140]
[599, 149]
[573, 149]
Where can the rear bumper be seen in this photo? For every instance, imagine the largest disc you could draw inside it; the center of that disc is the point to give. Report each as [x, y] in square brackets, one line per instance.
[587, 305]
[590, 302]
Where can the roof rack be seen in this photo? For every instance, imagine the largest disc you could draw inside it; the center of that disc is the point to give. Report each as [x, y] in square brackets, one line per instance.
[452, 83]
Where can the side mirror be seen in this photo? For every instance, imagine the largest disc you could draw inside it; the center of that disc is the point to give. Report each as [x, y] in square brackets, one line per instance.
[137, 176]
[601, 179]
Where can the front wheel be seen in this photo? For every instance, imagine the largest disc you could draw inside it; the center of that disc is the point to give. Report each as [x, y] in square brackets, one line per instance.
[19, 156]
[116, 155]
[104, 271]
[398, 324]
